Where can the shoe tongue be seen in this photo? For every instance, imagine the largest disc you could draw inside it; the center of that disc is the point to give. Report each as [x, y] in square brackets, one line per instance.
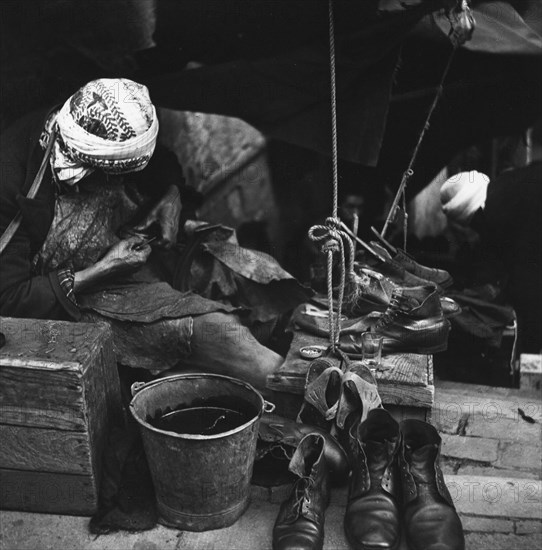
[376, 452]
[422, 460]
[406, 302]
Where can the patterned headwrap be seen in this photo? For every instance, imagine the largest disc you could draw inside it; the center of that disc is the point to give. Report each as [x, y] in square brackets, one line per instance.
[109, 124]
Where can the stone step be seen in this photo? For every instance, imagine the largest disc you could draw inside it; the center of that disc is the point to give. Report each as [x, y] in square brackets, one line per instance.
[496, 497]
[494, 431]
[253, 531]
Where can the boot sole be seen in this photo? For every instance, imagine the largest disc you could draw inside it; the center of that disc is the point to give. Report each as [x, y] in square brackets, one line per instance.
[438, 342]
[394, 346]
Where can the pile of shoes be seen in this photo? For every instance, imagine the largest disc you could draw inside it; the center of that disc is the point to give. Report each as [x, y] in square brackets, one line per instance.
[396, 487]
[396, 298]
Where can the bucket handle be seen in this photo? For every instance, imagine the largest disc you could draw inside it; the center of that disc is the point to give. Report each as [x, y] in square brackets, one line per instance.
[136, 387]
[268, 407]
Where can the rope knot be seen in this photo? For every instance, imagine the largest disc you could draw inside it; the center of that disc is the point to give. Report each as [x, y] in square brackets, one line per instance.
[333, 224]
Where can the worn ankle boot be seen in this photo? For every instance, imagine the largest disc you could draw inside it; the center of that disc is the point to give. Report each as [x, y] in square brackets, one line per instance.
[287, 432]
[413, 324]
[372, 519]
[431, 521]
[300, 523]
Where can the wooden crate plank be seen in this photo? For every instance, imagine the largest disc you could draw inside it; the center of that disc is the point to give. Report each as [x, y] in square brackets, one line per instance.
[46, 450]
[58, 344]
[41, 368]
[47, 492]
[39, 398]
[103, 397]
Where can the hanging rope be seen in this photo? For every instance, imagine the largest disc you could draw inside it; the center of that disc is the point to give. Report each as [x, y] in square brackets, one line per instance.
[333, 83]
[408, 173]
[330, 235]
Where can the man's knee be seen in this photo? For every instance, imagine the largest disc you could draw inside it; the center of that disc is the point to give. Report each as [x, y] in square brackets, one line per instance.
[220, 328]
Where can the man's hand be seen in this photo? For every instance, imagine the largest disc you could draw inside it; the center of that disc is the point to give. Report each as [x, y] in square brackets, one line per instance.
[166, 213]
[126, 256]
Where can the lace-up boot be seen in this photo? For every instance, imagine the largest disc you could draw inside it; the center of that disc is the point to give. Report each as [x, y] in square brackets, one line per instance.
[300, 523]
[430, 517]
[412, 323]
[372, 519]
[287, 432]
[376, 290]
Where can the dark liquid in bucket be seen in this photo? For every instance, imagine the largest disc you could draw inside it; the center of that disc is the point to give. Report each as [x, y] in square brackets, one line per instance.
[209, 416]
[201, 421]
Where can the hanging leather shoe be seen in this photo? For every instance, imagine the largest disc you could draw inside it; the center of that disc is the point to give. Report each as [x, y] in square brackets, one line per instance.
[431, 521]
[359, 395]
[438, 276]
[284, 431]
[300, 522]
[397, 272]
[376, 290]
[372, 519]
[322, 392]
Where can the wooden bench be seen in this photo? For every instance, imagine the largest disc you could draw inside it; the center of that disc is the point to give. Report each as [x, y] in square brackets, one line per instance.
[406, 388]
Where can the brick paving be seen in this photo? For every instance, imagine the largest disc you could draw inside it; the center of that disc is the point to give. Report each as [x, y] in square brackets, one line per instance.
[492, 464]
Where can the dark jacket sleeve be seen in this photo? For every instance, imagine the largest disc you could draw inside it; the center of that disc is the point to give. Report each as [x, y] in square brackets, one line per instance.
[22, 294]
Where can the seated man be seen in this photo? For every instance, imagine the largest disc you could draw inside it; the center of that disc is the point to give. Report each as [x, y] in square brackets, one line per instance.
[81, 246]
[507, 214]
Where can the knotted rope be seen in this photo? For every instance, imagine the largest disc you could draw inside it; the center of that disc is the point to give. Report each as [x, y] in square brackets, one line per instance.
[333, 241]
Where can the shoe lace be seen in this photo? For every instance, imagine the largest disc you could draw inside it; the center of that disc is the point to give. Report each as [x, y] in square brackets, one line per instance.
[301, 488]
[390, 314]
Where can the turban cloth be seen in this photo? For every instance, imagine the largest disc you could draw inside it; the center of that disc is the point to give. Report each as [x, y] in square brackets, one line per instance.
[108, 124]
[463, 194]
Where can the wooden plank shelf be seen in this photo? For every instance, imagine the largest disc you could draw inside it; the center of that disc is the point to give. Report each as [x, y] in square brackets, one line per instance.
[406, 382]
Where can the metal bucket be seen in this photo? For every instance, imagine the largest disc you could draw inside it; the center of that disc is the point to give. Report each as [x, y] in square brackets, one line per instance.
[201, 482]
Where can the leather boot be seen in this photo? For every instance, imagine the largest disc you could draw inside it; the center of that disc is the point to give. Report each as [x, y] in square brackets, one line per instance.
[376, 290]
[430, 518]
[300, 523]
[284, 431]
[410, 326]
[438, 276]
[372, 520]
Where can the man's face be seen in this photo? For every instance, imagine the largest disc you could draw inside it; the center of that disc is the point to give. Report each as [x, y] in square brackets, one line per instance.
[352, 204]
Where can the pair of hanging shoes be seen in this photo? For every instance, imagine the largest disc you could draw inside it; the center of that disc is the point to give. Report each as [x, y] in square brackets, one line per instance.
[337, 393]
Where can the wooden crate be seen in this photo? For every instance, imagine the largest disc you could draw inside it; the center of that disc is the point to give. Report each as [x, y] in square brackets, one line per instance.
[59, 390]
